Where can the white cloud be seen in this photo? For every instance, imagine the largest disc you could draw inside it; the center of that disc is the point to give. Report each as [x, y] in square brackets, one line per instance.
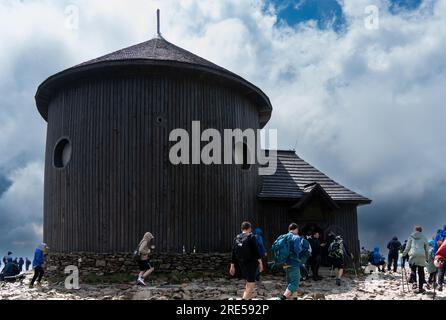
[366, 106]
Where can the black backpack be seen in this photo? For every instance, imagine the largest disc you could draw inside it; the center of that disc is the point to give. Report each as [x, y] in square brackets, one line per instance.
[242, 247]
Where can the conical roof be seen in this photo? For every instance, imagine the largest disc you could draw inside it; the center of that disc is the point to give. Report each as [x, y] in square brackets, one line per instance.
[156, 52]
[155, 49]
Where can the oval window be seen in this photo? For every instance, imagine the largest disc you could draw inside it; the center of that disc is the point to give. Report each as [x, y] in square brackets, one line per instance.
[62, 153]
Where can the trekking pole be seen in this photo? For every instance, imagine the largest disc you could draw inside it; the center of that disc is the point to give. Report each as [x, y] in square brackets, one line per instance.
[435, 286]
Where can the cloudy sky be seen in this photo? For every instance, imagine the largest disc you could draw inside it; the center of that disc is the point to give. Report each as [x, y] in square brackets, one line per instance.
[361, 99]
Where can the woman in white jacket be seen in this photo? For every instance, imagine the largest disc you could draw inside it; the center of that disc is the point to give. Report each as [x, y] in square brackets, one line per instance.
[145, 265]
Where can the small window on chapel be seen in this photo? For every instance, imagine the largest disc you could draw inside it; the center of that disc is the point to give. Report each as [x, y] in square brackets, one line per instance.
[62, 153]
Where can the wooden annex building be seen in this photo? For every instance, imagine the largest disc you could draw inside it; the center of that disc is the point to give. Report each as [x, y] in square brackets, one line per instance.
[108, 178]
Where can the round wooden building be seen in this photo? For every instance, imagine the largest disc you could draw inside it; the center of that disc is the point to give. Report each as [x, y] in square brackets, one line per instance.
[108, 178]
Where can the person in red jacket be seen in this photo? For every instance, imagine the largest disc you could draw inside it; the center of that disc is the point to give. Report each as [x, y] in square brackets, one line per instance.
[439, 262]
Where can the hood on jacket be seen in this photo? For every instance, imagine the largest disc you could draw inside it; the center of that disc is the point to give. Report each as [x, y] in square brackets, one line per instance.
[431, 243]
[417, 235]
[148, 236]
[376, 250]
[395, 238]
[42, 246]
[258, 231]
[9, 259]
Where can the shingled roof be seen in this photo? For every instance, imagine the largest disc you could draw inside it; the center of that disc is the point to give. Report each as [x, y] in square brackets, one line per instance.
[296, 178]
[155, 49]
[155, 53]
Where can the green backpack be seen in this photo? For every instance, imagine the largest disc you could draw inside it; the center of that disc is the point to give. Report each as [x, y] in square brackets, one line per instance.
[336, 250]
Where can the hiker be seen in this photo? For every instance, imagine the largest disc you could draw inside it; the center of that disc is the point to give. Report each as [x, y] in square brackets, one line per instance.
[38, 263]
[377, 260]
[337, 252]
[315, 260]
[21, 263]
[245, 253]
[305, 253]
[440, 238]
[258, 233]
[431, 269]
[27, 264]
[145, 265]
[10, 271]
[287, 249]
[439, 262]
[418, 250]
[404, 258]
[364, 256]
[394, 247]
[16, 261]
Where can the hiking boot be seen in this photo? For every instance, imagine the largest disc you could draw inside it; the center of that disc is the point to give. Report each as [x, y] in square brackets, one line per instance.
[338, 282]
[31, 286]
[440, 287]
[421, 290]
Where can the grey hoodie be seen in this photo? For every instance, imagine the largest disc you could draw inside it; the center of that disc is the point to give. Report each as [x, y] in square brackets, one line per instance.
[418, 249]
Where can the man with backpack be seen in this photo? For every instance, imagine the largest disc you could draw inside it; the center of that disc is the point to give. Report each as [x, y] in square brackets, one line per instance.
[286, 250]
[394, 247]
[246, 255]
[337, 252]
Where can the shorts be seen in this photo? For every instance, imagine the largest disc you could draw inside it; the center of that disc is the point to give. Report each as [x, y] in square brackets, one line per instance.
[249, 271]
[145, 265]
[292, 277]
[337, 263]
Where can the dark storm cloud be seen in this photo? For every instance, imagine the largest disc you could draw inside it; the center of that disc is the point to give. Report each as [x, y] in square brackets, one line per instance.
[366, 107]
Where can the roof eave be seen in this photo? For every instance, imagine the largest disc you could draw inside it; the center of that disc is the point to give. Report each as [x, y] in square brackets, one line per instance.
[46, 89]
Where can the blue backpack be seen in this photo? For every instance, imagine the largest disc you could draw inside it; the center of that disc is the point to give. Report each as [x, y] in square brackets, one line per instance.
[281, 249]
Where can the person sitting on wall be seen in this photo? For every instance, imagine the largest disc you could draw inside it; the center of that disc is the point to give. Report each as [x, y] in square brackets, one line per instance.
[10, 271]
[145, 265]
[377, 260]
[246, 255]
[38, 263]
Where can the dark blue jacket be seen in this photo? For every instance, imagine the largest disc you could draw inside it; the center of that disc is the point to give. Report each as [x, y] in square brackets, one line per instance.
[259, 238]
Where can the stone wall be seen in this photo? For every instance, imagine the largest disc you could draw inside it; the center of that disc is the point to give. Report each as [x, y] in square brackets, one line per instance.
[105, 264]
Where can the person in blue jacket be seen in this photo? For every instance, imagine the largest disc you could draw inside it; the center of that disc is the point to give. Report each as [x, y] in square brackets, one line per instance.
[439, 238]
[39, 259]
[292, 267]
[258, 233]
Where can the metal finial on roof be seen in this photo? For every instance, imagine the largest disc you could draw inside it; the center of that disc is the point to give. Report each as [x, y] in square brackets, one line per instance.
[158, 32]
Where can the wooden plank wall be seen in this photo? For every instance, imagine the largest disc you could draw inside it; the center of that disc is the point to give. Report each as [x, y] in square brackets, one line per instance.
[119, 182]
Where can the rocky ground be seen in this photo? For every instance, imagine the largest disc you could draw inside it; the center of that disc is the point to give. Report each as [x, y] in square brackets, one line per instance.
[376, 286]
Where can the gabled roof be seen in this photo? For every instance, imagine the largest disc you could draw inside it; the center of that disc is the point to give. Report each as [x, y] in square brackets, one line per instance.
[314, 190]
[295, 178]
[145, 57]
